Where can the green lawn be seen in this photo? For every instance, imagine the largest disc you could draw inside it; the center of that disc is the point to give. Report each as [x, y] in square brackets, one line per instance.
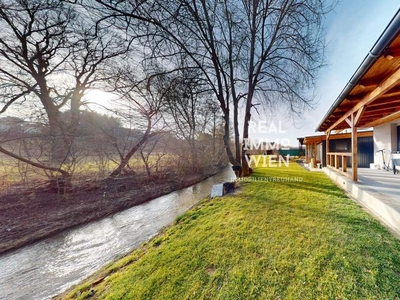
[271, 240]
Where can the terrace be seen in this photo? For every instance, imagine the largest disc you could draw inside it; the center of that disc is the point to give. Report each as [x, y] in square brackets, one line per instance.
[370, 100]
[376, 190]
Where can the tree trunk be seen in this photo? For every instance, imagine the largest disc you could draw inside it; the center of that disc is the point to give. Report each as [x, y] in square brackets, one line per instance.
[146, 164]
[245, 166]
[125, 160]
[193, 149]
[66, 177]
[236, 130]
[250, 92]
[227, 140]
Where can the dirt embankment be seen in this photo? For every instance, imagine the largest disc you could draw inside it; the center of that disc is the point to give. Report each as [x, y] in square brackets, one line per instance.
[30, 215]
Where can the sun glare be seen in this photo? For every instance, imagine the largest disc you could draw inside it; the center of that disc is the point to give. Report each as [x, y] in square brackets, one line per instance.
[98, 100]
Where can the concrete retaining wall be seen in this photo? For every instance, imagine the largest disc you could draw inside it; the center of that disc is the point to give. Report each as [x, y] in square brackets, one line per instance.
[369, 199]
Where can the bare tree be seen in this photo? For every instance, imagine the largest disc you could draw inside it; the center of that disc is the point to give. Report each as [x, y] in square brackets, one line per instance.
[170, 30]
[140, 101]
[284, 51]
[245, 49]
[51, 54]
[186, 102]
[152, 152]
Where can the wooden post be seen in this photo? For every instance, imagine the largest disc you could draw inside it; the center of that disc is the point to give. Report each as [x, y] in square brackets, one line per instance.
[307, 149]
[312, 153]
[344, 163]
[328, 158]
[354, 149]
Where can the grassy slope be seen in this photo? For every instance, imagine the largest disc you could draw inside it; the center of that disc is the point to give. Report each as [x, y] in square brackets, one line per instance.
[273, 240]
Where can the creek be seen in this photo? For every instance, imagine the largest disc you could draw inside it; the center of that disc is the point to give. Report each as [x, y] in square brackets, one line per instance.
[49, 267]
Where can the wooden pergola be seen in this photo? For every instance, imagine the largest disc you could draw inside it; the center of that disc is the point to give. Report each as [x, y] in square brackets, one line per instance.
[371, 97]
[311, 143]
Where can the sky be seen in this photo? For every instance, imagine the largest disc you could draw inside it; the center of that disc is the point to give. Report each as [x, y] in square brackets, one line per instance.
[352, 29]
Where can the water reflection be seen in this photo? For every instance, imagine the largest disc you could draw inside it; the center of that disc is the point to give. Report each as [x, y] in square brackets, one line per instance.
[45, 269]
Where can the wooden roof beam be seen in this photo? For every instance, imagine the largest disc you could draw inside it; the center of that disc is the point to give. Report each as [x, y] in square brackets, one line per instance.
[384, 102]
[343, 108]
[394, 91]
[383, 120]
[365, 124]
[385, 85]
[354, 98]
[390, 96]
[358, 116]
[381, 110]
[392, 52]
[372, 82]
[383, 107]
[353, 121]
[369, 83]
[378, 116]
[335, 136]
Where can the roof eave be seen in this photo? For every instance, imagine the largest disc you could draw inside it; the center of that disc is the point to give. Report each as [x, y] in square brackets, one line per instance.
[388, 35]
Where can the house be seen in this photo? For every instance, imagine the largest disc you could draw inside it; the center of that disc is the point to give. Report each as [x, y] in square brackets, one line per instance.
[362, 128]
[340, 143]
[371, 99]
[291, 151]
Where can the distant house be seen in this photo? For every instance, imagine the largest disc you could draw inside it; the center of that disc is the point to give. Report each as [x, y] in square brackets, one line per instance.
[341, 144]
[9, 123]
[291, 151]
[13, 125]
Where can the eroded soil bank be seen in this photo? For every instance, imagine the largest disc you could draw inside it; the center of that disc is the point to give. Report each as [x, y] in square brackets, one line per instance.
[27, 216]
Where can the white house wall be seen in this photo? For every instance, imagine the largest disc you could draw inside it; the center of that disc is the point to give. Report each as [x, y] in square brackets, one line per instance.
[385, 137]
[319, 152]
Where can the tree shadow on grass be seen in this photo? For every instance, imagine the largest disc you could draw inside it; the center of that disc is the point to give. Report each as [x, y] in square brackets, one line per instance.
[341, 208]
[307, 187]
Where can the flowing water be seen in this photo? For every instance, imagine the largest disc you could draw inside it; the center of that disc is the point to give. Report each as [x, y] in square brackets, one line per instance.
[48, 267]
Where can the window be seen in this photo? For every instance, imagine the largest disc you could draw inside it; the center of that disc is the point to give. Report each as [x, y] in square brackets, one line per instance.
[341, 145]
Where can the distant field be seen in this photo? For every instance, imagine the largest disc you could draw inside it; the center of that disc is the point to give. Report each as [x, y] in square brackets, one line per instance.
[13, 171]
